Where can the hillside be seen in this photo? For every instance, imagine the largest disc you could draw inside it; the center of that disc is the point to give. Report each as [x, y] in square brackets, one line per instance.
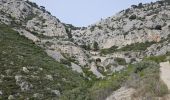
[27, 72]
[42, 58]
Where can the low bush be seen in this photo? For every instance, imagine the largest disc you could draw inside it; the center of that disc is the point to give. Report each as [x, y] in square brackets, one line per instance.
[133, 17]
[95, 46]
[103, 88]
[131, 47]
[120, 61]
[109, 50]
[157, 59]
[167, 1]
[86, 47]
[136, 46]
[158, 27]
[17, 52]
[65, 62]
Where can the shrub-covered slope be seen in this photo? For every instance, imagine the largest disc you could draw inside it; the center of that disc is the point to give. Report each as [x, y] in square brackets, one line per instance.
[27, 72]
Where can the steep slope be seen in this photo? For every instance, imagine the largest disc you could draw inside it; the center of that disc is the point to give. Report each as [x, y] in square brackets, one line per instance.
[104, 54]
[45, 30]
[144, 84]
[141, 23]
[128, 37]
[31, 17]
[26, 71]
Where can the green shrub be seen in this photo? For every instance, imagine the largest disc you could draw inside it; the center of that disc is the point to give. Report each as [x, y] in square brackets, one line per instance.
[95, 46]
[141, 66]
[65, 62]
[109, 50]
[92, 28]
[89, 74]
[136, 46]
[133, 17]
[103, 88]
[48, 43]
[140, 5]
[157, 59]
[68, 31]
[32, 4]
[120, 61]
[131, 47]
[167, 1]
[70, 59]
[147, 80]
[17, 52]
[30, 17]
[86, 47]
[158, 27]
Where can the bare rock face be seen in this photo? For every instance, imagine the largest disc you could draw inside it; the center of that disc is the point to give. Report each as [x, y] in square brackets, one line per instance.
[133, 25]
[74, 52]
[76, 67]
[16, 8]
[93, 69]
[28, 35]
[46, 24]
[122, 94]
[31, 17]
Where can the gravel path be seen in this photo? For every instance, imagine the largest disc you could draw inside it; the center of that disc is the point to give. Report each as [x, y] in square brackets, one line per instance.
[165, 73]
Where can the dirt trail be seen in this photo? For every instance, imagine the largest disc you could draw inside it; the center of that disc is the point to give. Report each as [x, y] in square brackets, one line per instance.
[125, 93]
[165, 73]
[121, 94]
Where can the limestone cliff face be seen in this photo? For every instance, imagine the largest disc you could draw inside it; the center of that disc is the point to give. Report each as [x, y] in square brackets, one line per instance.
[148, 22]
[31, 17]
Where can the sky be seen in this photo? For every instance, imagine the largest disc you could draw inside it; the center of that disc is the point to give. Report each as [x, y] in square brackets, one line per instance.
[85, 12]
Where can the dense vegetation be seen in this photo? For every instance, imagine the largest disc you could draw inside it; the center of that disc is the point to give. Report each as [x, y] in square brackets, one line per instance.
[131, 47]
[167, 1]
[143, 76]
[16, 53]
[120, 61]
[103, 88]
[95, 46]
[146, 80]
[109, 50]
[137, 46]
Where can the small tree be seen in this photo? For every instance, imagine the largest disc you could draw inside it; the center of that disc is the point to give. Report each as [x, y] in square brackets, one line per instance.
[132, 17]
[168, 1]
[98, 60]
[68, 31]
[43, 9]
[95, 46]
[140, 5]
[158, 27]
[88, 47]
